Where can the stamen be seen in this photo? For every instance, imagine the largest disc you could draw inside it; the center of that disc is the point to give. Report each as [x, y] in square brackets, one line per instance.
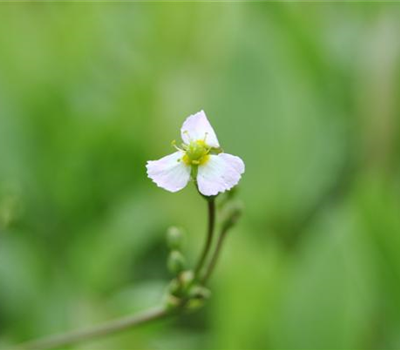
[173, 144]
[188, 135]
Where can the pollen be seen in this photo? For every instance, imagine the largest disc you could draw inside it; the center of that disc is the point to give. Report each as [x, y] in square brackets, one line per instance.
[197, 153]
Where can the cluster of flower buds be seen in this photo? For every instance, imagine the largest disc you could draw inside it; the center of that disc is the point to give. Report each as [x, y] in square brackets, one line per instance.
[230, 214]
[176, 261]
[183, 290]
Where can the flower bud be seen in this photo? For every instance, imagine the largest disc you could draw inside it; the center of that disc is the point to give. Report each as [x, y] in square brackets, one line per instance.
[174, 287]
[199, 292]
[172, 302]
[187, 279]
[194, 305]
[174, 238]
[231, 214]
[176, 262]
[198, 295]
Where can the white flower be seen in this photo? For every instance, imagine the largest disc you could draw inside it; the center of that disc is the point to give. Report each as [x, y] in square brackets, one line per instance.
[201, 158]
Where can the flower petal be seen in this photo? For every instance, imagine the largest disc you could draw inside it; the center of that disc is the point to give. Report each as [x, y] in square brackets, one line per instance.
[219, 174]
[170, 172]
[197, 127]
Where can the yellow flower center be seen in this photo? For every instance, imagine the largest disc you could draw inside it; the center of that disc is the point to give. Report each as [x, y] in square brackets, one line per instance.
[197, 153]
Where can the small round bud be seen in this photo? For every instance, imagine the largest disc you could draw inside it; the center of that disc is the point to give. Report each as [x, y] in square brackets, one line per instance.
[174, 288]
[172, 302]
[194, 305]
[199, 292]
[174, 238]
[176, 262]
[186, 278]
[231, 214]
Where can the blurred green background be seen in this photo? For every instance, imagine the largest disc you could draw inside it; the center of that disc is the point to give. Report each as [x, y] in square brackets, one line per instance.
[306, 94]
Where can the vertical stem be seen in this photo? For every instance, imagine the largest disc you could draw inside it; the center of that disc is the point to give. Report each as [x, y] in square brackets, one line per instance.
[210, 234]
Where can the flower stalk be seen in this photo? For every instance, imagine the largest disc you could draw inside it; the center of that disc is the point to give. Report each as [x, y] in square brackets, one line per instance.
[202, 159]
[187, 291]
[209, 238]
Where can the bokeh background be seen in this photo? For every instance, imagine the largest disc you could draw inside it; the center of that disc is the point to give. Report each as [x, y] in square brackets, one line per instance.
[307, 94]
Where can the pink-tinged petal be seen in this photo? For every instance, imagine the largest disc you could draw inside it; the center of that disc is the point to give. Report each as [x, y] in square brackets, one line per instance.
[170, 172]
[221, 173]
[197, 127]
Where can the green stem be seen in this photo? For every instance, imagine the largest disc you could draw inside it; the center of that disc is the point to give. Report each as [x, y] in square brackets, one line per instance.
[129, 322]
[108, 328]
[215, 257]
[210, 234]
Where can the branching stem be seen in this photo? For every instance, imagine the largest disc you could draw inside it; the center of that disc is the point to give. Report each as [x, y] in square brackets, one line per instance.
[108, 328]
[143, 318]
